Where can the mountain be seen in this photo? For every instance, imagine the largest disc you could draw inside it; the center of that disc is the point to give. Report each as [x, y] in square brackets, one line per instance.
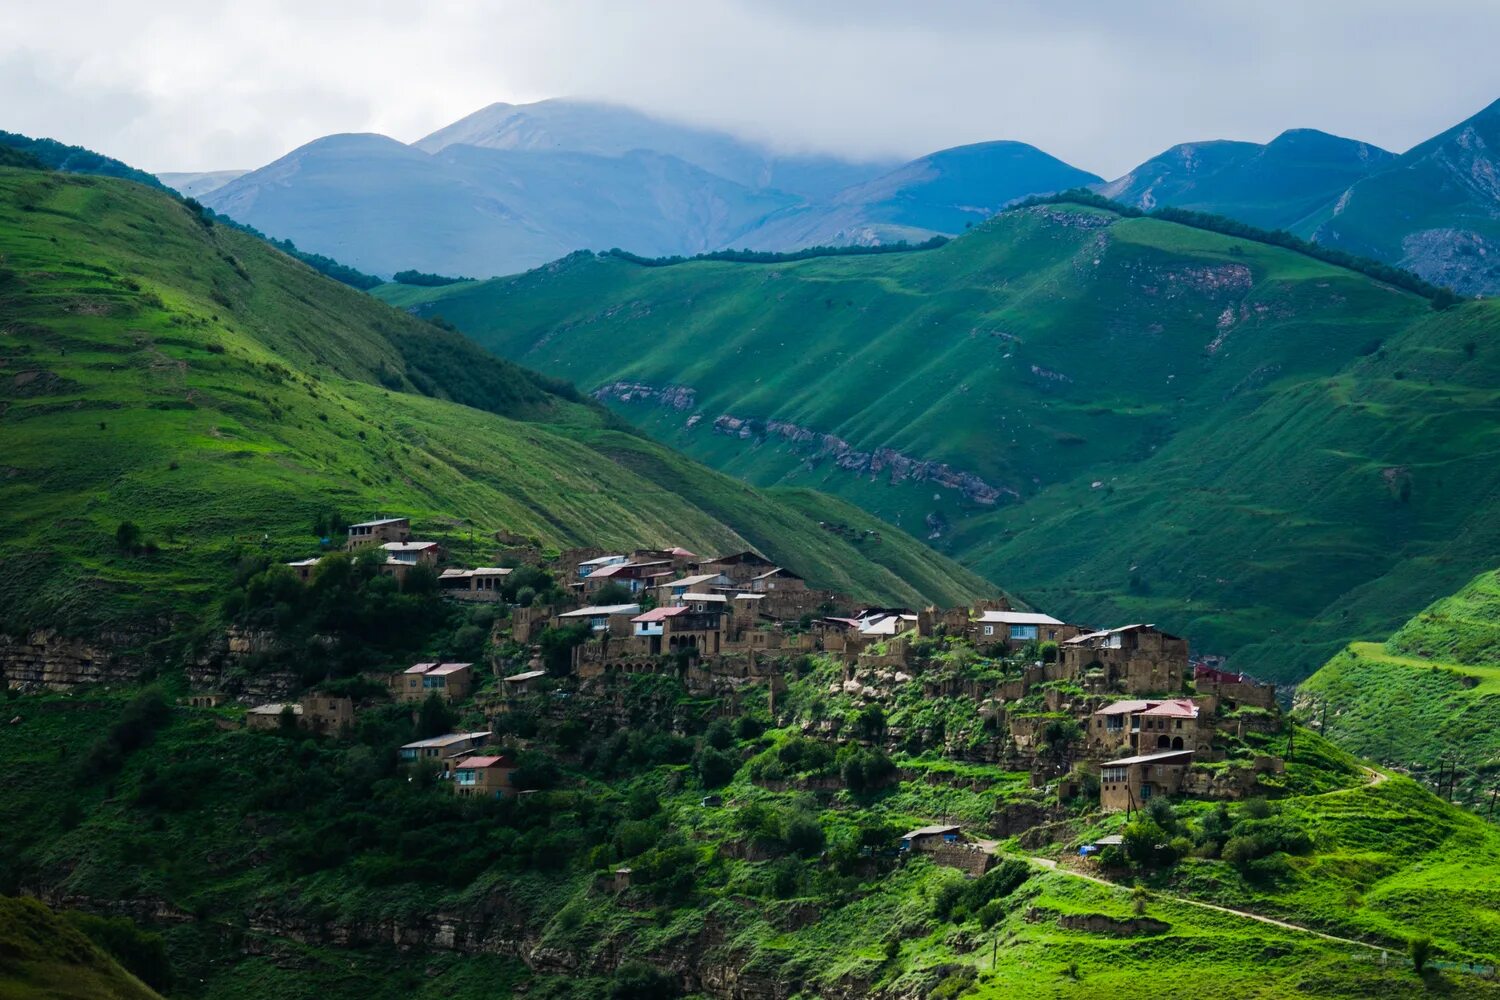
[1276, 185]
[512, 187]
[1125, 419]
[210, 390]
[383, 206]
[1435, 209]
[200, 183]
[943, 193]
[612, 130]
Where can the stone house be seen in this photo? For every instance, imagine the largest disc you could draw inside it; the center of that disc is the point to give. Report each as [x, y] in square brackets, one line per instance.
[480, 584]
[1014, 629]
[483, 777]
[413, 553]
[929, 838]
[523, 683]
[667, 593]
[314, 713]
[668, 629]
[737, 568]
[612, 618]
[449, 681]
[774, 579]
[1135, 659]
[1130, 783]
[386, 529]
[1145, 726]
[634, 577]
[304, 569]
[1233, 690]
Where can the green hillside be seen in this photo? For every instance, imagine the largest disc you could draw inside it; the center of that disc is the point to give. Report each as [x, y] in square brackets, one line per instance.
[43, 957]
[1430, 692]
[1140, 420]
[219, 395]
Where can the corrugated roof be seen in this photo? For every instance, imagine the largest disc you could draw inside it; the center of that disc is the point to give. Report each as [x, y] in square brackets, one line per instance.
[928, 831]
[408, 546]
[447, 739]
[528, 675]
[479, 762]
[691, 581]
[1150, 758]
[595, 611]
[705, 597]
[1017, 618]
[383, 520]
[419, 668]
[657, 614]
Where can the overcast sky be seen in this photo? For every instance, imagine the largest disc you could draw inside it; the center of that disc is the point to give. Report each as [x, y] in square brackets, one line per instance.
[179, 85]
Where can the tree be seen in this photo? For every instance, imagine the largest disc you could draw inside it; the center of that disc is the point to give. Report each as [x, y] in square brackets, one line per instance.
[1420, 949]
[613, 593]
[435, 718]
[127, 536]
[639, 981]
[803, 835]
[715, 767]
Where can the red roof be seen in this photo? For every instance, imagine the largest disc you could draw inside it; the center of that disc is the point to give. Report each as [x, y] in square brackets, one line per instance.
[483, 762]
[1180, 708]
[657, 614]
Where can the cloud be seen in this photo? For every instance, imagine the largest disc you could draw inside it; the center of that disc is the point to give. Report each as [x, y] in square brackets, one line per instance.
[186, 85]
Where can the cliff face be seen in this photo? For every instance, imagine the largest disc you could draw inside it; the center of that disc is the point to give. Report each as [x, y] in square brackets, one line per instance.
[48, 659]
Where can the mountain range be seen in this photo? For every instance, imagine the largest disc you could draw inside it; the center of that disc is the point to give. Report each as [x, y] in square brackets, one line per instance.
[1126, 419]
[511, 187]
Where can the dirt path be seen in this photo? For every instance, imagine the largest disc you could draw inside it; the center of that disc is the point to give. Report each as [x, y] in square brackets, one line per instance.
[1051, 865]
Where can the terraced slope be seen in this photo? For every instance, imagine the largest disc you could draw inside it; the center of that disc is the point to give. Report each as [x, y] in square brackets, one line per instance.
[1430, 691]
[217, 394]
[1125, 418]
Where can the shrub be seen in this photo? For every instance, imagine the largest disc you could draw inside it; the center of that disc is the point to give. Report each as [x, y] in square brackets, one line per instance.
[714, 768]
[142, 953]
[127, 536]
[803, 835]
[639, 981]
[1420, 950]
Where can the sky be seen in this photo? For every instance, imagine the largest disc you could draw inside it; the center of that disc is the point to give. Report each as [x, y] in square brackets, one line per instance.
[188, 85]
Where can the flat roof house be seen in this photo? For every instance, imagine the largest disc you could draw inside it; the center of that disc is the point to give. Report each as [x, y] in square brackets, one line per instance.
[385, 529]
[449, 681]
[1137, 659]
[518, 684]
[1016, 628]
[484, 777]
[925, 838]
[598, 616]
[442, 748]
[304, 568]
[1130, 783]
[412, 553]
[482, 583]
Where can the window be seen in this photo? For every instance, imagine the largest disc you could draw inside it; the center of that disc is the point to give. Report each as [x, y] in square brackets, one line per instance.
[989, 630]
[1145, 792]
[1113, 775]
[468, 777]
[1114, 723]
[1023, 632]
[1179, 723]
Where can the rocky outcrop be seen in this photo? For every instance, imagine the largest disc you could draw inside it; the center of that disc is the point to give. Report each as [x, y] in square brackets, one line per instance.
[675, 397]
[897, 466]
[47, 659]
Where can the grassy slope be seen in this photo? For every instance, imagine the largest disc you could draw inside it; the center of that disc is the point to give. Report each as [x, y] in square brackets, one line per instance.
[216, 392]
[1241, 435]
[1390, 861]
[1432, 688]
[41, 957]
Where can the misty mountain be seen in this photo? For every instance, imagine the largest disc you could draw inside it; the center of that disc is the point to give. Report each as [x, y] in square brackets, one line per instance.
[1276, 185]
[196, 184]
[945, 192]
[511, 187]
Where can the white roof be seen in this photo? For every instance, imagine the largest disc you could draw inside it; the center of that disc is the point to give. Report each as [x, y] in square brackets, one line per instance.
[889, 625]
[749, 597]
[928, 831]
[692, 581]
[275, 708]
[446, 740]
[602, 560]
[1017, 618]
[602, 609]
[408, 546]
[1107, 631]
[383, 520]
[306, 562]
[1148, 758]
[454, 574]
[705, 597]
[528, 675]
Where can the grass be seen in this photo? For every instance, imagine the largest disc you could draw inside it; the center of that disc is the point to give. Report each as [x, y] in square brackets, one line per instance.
[1287, 454]
[42, 956]
[1430, 692]
[220, 395]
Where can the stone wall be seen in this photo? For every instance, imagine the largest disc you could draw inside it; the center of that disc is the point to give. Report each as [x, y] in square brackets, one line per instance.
[47, 659]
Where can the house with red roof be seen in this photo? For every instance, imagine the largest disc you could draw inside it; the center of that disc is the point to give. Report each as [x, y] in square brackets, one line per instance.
[484, 777]
[1146, 725]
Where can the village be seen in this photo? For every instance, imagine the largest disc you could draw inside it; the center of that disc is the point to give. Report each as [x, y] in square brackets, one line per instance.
[1140, 718]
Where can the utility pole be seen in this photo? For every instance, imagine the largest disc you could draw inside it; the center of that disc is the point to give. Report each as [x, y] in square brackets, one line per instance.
[1493, 792]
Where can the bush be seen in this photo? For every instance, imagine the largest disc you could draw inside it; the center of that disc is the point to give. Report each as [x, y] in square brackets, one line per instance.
[639, 981]
[127, 536]
[714, 768]
[803, 835]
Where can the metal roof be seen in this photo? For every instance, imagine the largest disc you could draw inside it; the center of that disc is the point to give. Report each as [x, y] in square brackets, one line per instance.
[1149, 758]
